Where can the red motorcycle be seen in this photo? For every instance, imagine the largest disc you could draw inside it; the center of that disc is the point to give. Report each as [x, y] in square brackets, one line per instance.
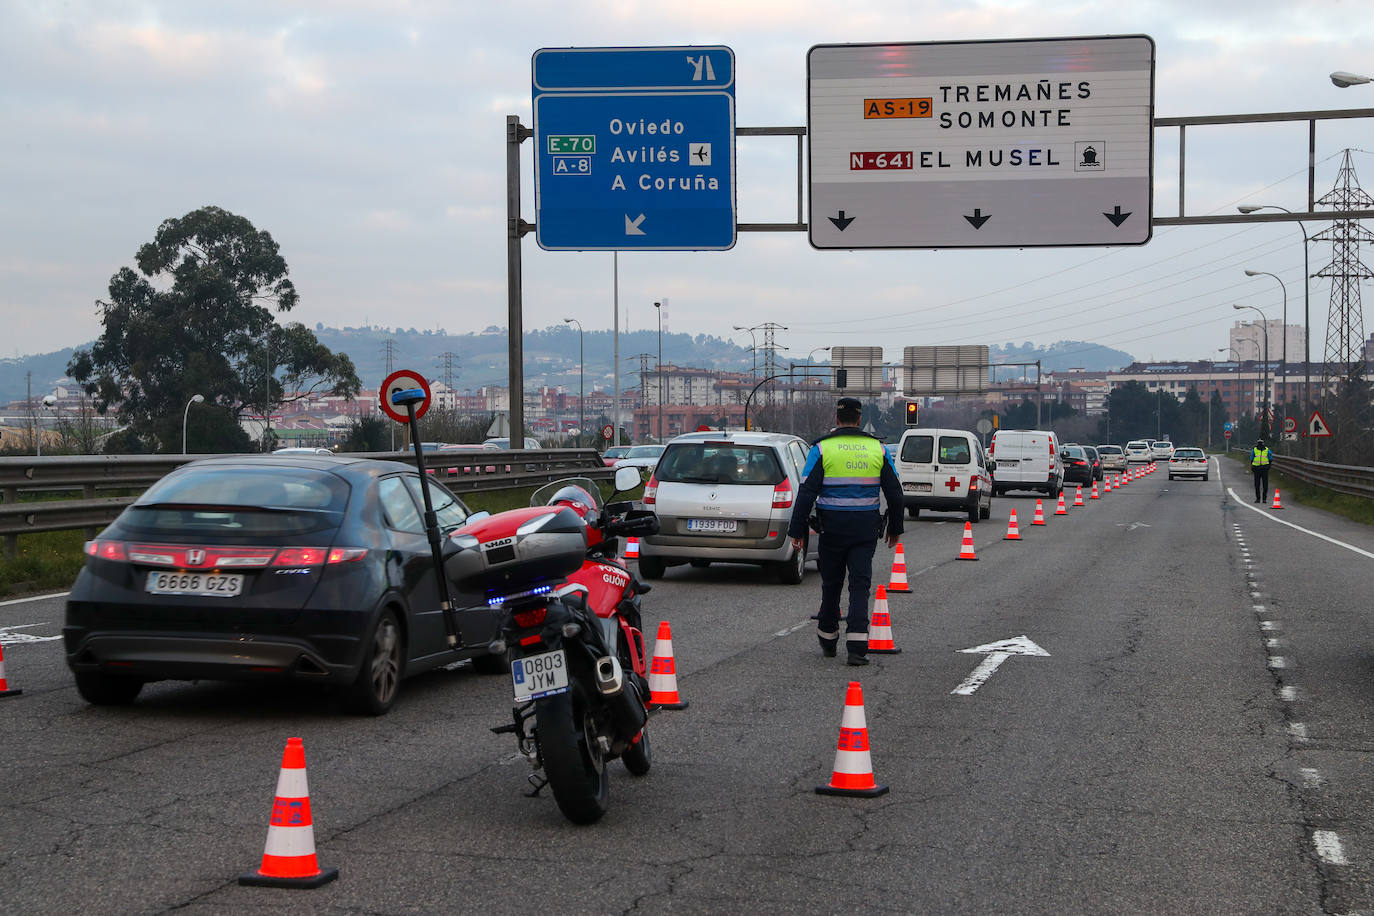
[571, 625]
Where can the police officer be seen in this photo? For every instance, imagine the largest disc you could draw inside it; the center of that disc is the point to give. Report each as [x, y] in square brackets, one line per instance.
[1259, 466]
[845, 471]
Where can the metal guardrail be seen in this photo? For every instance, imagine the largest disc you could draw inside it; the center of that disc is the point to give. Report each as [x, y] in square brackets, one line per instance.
[461, 470]
[1343, 478]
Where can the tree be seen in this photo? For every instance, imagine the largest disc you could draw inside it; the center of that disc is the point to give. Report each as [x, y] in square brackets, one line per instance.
[367, 434]
[203, 329]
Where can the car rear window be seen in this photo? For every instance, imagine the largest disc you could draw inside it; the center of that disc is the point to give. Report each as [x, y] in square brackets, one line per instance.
[918, 449]
[719, 462]
[270, 500]
[1188, 453]
[1108, 450]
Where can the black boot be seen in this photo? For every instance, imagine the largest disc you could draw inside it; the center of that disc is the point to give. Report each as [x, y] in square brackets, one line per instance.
[857, 660]
[827, 646]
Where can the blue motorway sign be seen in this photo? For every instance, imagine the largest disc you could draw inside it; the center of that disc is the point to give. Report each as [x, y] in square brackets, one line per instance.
[634, 148]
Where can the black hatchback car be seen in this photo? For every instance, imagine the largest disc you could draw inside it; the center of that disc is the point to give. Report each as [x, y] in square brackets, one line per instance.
[303, 568]
[1078, 466]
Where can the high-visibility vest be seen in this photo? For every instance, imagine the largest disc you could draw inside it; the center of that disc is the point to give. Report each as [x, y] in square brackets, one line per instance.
[1259, 457]
[853, 468]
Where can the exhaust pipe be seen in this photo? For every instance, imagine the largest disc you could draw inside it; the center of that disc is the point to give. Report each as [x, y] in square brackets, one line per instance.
[610, 679]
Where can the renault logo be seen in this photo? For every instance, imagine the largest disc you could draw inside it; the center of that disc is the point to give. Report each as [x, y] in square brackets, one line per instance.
[712, 497]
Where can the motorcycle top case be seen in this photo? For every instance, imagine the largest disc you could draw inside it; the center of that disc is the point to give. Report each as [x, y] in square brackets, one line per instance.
[517, 550]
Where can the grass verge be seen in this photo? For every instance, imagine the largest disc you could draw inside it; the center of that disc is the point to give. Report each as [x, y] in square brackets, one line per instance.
[1355, 508]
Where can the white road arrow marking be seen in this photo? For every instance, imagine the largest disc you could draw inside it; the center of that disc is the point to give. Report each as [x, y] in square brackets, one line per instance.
[632, 225]
[1131, 526]
[996, 652]
[9, 638]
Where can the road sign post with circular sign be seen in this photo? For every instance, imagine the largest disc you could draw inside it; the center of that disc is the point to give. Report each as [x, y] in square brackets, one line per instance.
[607, 432]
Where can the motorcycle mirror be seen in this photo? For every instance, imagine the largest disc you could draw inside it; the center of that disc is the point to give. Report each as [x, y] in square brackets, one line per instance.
[626, 478]
[477, 516]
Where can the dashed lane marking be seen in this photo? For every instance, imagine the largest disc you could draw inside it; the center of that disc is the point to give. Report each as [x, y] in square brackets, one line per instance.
[1315, 534]
[1329, 848]
[34, 598]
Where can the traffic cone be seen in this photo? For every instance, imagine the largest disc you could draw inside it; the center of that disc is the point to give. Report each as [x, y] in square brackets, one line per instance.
[7, 691]
[1094, 493]
[1125, 479]
[1039, 518]
[1276, 505]
[897, 582]
[1078, 497]
[663, 672]
[632, 548]
[966, 548]
[853, 771]
[289, 857]
[1013, 533]
[1061, 509]
[880, 628]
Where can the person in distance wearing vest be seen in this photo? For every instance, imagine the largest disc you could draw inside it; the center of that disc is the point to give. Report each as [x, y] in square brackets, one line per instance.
[1259, 466]
[845, 473]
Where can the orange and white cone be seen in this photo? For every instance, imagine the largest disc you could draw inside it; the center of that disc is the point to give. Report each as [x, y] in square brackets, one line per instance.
[966, 547]
[1276, 505]
[1078, 497]
[1061, 509]
[7, 691]
[880, 627]
[1013, 533]
[1039, 518]
[663, 672]
[632, 548]
[898, 583]
[1094, 492]
[853, 771]
[288, 860]
[1124, 479]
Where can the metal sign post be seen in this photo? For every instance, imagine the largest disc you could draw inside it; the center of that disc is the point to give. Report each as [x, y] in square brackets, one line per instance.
[415, 401]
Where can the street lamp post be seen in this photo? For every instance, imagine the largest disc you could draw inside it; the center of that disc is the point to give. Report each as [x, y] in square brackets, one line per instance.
[1306, 303]
[1344, 80]
[581, 375]
[658, 312]
[195, 399]
[1236, 353]
[753, 344]
[1264, 416]
[1283, 352]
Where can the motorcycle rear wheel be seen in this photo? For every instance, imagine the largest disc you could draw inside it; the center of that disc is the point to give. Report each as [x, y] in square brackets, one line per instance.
[639, 756]
[573, 762]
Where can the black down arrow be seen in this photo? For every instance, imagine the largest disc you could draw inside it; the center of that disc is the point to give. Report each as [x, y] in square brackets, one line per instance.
[1117, 217]
[841, 221]
[977, 219]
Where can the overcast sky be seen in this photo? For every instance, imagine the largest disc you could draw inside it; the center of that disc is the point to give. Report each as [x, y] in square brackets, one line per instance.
[368, 138]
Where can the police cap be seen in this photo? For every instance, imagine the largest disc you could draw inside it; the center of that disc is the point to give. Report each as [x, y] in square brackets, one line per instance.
[849, 404]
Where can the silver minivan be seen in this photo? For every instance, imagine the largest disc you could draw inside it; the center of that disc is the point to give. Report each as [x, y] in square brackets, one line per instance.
[726, 497]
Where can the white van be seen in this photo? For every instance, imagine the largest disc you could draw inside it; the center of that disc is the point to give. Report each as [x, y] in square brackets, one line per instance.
[945, 470]
[1027, 459]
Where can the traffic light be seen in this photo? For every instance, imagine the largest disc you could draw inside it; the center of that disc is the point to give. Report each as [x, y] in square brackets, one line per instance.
[913, 411]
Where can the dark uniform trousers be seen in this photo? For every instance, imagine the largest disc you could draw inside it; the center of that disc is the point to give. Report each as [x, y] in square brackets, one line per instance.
[1261, 473]
[847, 544]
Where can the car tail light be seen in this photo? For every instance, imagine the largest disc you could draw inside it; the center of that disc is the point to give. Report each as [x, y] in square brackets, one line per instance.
[107, 550]
[651, 490]
[318, 556]
[783, 495]
[530, 618]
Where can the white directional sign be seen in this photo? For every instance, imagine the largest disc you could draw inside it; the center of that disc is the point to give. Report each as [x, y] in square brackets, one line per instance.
[1025, 143]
